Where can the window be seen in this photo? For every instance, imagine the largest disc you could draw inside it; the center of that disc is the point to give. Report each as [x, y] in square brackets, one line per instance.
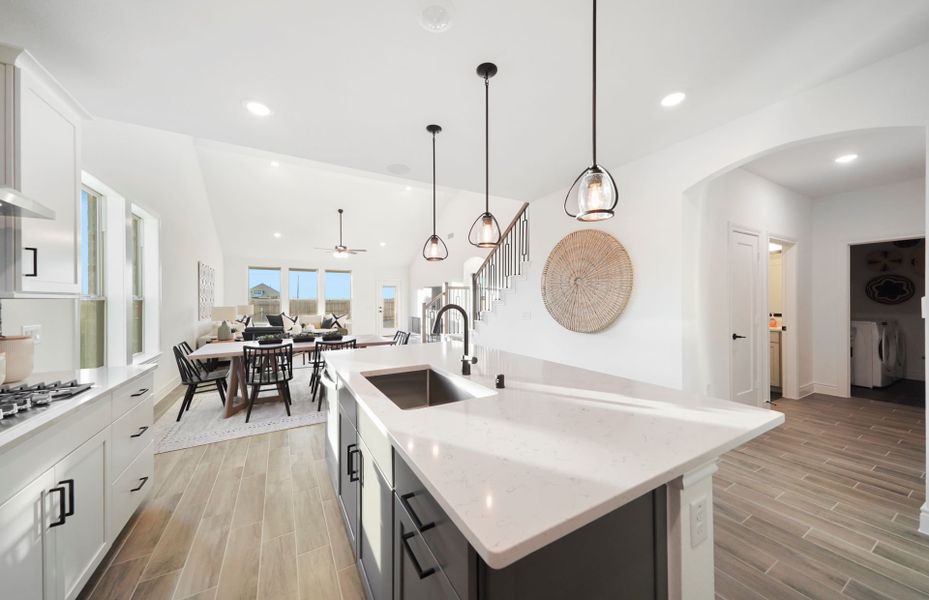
[264, 291]
[136, 260]
[338, 289]
[303, 291]
[92, 304]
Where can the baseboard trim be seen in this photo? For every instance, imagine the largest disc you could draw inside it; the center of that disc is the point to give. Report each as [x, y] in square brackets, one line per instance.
[924, 519]
[828, 389]
[163, 397]
[806, 389]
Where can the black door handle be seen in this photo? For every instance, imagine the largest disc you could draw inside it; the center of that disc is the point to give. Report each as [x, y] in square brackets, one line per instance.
[35, 261]
[61, 506]
[139, 393]
[141, 431]
[736, 336]
[142, 483]
[352, 472]
[419, 570]
[70, 484]
[405, 501]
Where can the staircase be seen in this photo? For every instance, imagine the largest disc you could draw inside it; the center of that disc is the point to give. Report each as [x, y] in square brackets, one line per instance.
[450, 294]
[506, 263]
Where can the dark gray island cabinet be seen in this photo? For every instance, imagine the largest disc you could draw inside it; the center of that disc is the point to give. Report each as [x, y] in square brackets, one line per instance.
[408, 548]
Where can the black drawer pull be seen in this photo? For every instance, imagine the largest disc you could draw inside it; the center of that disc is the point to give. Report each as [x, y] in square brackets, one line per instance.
[141, 431]
[142, 483]
[61, 506]
[405, 501]
[419, 570]
[70, 484]
[140, 392]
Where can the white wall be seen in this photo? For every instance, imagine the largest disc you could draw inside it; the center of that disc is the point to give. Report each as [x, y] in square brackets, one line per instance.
[58, 350]
[160, 172]
[892, 211]
[366, 281]
[906, 314]
[647, 342]
[742, 199]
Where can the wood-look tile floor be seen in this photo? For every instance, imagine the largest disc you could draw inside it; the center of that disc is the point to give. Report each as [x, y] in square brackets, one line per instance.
[249, 518]
[825, 506]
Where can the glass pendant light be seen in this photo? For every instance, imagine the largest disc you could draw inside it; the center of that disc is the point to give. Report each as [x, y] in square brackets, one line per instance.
[594, 190]
[435, 249]
[485, 232]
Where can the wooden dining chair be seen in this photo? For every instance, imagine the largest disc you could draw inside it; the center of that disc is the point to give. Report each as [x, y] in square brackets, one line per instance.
[319, 362]
[268, 366]
[197, 378]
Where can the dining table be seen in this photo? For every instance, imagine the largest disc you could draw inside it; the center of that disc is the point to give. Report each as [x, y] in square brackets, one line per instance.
[237, 394]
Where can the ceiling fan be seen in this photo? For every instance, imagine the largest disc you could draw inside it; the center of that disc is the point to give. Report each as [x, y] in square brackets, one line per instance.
[342, 251]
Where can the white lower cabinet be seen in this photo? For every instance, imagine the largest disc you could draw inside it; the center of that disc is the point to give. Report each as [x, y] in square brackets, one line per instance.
[25, 542]
[82, 536]
[57, 526]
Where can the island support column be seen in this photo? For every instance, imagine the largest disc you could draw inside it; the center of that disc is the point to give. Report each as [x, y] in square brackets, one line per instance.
[690, 541]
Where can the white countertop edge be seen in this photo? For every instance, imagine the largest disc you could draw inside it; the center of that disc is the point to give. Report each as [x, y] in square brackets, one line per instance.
[36, 424]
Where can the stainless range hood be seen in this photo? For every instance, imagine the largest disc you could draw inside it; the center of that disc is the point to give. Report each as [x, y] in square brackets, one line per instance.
[14, 204]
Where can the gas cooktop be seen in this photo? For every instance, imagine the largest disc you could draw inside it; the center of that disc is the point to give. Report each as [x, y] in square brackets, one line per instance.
[18, 403]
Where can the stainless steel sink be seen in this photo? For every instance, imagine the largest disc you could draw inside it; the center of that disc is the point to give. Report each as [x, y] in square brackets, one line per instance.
[418, 388]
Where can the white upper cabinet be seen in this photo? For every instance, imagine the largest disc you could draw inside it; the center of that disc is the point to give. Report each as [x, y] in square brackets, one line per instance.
[42, 144]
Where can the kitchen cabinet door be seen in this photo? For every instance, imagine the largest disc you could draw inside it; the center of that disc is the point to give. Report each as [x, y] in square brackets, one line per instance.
[349, 476]
[82, 539]
[24, 520]
[49, 172]
[375, 539]
[417, 574]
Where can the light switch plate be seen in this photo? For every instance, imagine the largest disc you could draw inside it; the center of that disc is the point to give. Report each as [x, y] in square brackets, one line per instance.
[699, 526]
[34, 331]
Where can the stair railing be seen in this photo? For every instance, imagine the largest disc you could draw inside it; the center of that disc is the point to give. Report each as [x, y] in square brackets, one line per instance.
[504, 262]
[450, 294]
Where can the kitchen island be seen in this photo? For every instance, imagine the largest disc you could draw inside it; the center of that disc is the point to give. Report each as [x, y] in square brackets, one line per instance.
[560, 463]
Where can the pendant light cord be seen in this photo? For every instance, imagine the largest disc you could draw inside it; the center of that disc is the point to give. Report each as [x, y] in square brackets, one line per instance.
[433, 183]
[486, 144]
[594, 90]
[340, 227]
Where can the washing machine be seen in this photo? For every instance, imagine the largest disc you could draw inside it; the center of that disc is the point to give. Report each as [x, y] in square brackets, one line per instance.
[878, 353]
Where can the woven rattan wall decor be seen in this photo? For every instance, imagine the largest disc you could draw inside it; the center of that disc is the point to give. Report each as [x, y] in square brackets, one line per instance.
[587, 281]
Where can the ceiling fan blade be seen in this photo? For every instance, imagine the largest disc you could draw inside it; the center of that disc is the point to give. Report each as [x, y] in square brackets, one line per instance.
[357, 250]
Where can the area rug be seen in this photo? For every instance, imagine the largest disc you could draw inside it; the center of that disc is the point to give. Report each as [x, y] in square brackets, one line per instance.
[205, 422]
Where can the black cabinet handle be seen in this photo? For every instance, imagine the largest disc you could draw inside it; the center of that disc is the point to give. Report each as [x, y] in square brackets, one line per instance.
[352, 471]
[61, 506]
[35, 261]
[419, 570]
[141, 431]
[141, 485]
[140, 392]
[405, 501]
[736, 336]
[70, 484]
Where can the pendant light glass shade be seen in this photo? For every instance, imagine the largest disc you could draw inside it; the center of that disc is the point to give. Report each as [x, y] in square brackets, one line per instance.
[485, 232]
[434, 249]
[593, 197]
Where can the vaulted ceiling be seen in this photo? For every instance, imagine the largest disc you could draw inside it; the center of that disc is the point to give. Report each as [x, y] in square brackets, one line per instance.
[355, 83]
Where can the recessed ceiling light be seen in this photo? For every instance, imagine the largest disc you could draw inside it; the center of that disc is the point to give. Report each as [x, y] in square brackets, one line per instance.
[673, 99]
[436, 18]
[277, 234]
[846, 158]
[275, 164]
[408, 188]
[383, 244]
[257, 108]
[774, 247]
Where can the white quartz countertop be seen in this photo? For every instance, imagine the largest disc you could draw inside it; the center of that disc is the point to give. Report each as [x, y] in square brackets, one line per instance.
[104, 379]
[558, 448]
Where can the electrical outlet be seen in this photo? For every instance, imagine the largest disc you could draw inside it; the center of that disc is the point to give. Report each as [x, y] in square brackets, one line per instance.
[699, 527]
[34, 331]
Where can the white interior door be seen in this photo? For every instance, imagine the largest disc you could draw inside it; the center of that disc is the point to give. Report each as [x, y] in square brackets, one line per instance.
[745, 315]
[388, 308]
